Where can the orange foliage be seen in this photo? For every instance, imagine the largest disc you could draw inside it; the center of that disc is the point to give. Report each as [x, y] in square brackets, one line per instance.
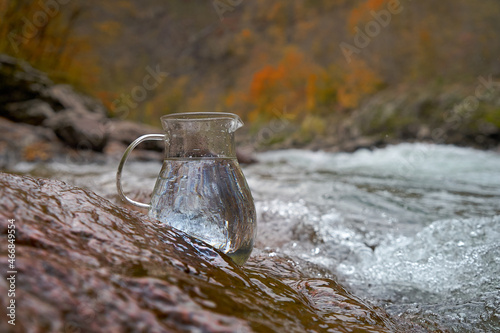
[306, 89]
[291, 84]
[246, 33]
[264, 56]
[355, 18]
[358, 82]
[265, 81]
[361, 13]
[375, 4]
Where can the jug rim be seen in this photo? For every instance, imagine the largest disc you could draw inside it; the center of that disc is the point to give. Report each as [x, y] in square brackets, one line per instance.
[190, 116]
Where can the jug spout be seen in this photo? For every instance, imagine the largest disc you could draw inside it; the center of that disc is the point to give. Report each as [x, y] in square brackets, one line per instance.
[235, 124]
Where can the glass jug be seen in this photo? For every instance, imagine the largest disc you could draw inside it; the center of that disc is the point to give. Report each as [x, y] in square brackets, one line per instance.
[201, 189]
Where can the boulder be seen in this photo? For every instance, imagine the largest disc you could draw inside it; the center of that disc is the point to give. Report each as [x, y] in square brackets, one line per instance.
[80, 129]
[83, 264]
[19, 81]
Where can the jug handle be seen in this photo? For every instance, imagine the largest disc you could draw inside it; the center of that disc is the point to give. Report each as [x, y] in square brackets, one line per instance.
[122, 163]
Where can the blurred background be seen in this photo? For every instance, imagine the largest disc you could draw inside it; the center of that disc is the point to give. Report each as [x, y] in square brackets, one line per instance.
[333, 71]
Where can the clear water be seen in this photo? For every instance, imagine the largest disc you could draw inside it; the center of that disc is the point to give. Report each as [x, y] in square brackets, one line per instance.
[209, 199]
[414, 228]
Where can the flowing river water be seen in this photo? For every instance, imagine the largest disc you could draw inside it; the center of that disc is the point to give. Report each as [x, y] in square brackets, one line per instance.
[413, 228]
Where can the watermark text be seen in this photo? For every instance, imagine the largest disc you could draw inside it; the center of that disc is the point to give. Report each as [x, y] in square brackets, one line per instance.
[11, 272]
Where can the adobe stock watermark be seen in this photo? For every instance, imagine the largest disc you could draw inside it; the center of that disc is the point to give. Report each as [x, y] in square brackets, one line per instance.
[224, 6]
[11, 272]
[32, 25]
[363, 38]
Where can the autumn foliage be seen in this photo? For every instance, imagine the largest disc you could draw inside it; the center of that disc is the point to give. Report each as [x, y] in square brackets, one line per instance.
[302, 87]
[361, 13]
[261, 57]
[290, 83]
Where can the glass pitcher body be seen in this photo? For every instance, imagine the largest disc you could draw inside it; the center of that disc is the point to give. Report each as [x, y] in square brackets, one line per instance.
[201, 188]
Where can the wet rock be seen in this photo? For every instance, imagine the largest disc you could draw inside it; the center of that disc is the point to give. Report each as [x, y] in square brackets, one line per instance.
[361, 142]
[86, 265]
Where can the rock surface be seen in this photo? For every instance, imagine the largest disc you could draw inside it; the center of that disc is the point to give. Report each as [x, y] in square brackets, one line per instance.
[86, 265]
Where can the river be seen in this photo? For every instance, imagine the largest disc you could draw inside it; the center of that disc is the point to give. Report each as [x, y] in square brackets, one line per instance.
[414, 228]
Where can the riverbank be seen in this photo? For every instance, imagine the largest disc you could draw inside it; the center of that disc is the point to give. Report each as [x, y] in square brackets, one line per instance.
[45, 121]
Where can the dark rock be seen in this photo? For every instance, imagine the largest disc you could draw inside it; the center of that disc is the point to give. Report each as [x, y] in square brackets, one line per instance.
[80, 129]
[86, 265]
[33, 112]
[360, 143]
[19, 81]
